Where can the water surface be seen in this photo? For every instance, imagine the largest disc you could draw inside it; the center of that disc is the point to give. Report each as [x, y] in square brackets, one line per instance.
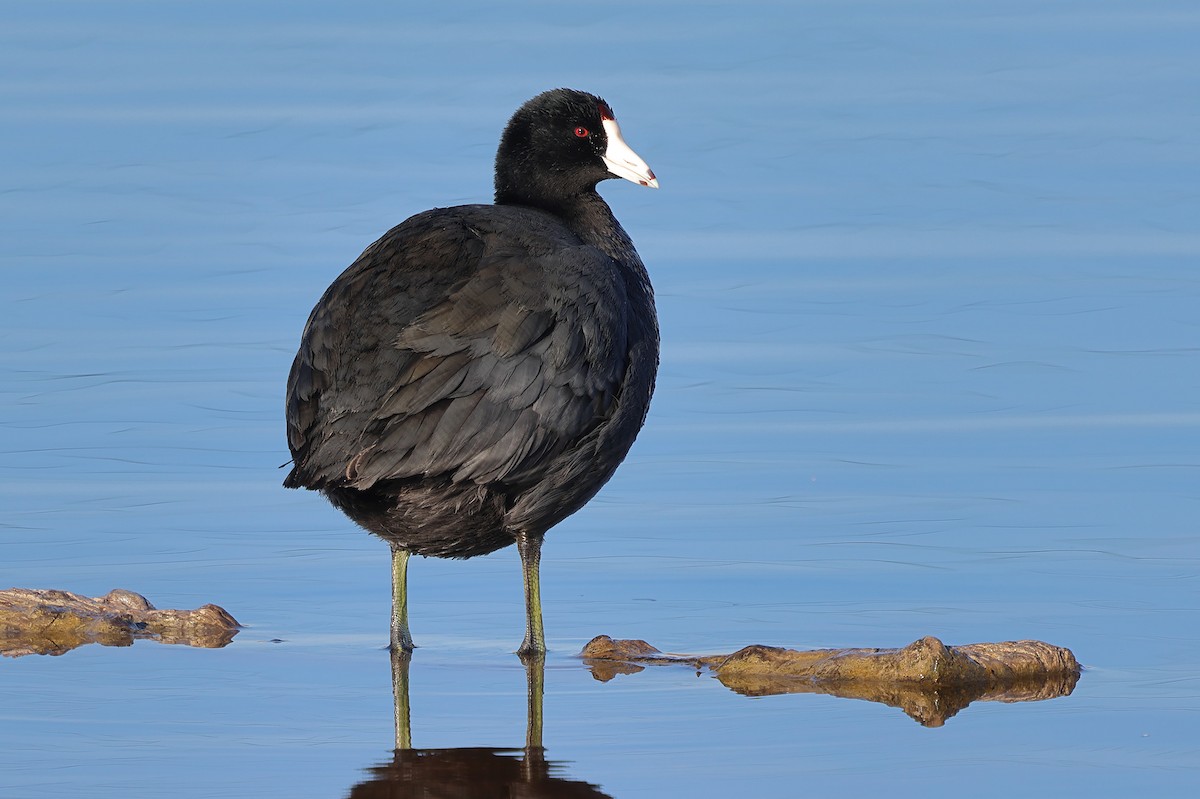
[927, 284]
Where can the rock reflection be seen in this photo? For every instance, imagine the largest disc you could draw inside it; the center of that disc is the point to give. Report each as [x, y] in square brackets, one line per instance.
[928, 680]
[929, 706]
[470, 771]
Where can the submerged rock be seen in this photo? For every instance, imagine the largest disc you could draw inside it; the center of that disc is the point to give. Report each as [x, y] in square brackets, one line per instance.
[926, 679]
[48, 622]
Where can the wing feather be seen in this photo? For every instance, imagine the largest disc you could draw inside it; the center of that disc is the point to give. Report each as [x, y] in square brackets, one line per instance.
[451, 349]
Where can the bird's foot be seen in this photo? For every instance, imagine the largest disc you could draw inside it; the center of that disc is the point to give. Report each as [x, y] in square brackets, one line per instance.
[401, 642]
[530, 650]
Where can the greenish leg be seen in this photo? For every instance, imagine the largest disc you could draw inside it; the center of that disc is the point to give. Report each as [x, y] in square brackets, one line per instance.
[530, 548]
[401, 637]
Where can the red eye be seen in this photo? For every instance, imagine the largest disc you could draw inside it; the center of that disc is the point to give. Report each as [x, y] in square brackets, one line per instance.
[581, 132]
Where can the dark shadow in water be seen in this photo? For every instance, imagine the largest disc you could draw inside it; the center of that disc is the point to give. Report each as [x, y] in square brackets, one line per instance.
[470, 771]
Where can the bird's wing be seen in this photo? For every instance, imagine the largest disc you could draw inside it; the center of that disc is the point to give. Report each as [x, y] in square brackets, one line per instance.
[512, 363]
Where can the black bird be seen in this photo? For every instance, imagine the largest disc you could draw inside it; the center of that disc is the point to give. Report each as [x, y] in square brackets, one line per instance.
[480, 371]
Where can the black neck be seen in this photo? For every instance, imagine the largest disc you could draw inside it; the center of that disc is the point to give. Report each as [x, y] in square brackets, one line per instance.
[587, 215]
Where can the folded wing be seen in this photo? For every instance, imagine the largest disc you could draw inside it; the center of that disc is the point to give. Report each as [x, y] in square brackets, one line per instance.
[482, 365]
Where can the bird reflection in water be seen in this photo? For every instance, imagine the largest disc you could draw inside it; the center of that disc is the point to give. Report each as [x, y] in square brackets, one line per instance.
[471, 771]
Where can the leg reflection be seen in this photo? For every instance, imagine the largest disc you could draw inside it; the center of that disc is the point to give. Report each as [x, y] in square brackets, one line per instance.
[471, 771]
[535, 687]
[401, 658]
[535, 680]
[533, 766]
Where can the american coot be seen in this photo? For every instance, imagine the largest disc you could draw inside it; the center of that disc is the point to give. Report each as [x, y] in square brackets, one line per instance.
[480, 371]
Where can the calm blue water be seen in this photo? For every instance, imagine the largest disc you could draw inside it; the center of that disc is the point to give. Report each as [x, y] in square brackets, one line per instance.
[928, 289]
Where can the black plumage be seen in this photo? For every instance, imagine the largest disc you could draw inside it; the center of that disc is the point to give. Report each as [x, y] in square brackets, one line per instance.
[479, 373]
